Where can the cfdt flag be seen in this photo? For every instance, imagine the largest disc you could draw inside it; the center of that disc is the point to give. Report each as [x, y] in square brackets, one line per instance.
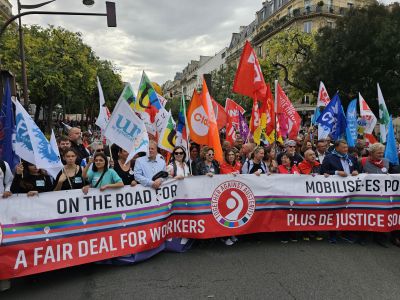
[36, 148]
[352, 124]
[332, 120]
[323, 97]
[127, 130]
[167, 137]
[249, 80]
[202, 122]
[383, 116]
[391, 152]
[367, 114]
[7, 129]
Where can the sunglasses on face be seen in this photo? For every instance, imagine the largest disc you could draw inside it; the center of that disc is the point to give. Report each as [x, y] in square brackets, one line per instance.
[178, 153]
[100, 150]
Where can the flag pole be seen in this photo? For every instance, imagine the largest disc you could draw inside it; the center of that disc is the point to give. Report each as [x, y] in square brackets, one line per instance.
[187, 128]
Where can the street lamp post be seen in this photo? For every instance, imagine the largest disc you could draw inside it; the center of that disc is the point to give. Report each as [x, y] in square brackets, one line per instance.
[111, 22]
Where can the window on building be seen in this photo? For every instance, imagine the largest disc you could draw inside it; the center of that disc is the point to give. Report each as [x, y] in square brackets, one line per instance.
[289, 11]
[330, 5]
[350, 5]
[307, 4]
[307, 27]
[259, 51]
[263, 14]
[306, 99]
[330, 24]
[223, 55]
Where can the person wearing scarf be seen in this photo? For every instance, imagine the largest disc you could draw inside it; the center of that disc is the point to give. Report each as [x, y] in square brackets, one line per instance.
[309, 165]
[339, 162]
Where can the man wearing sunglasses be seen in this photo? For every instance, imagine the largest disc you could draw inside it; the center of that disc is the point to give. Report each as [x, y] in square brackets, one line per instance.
[290, 149]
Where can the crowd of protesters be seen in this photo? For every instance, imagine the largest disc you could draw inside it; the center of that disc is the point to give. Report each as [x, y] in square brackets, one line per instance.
[90, 163]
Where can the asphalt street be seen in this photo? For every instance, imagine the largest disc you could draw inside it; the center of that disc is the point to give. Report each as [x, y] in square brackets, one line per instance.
[257, 267]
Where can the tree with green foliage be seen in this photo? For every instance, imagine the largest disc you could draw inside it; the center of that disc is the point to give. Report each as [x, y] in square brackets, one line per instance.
[285, 53]
[362, 50]
[61, 69]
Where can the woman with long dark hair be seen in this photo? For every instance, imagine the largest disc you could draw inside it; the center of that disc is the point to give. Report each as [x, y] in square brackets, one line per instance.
[230, 165]
[125, 169]
[100, 176]
[30, 180]
[178, 168]
[70, 177]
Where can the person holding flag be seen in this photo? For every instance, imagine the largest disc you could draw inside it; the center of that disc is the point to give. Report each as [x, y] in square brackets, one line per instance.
[30, 180]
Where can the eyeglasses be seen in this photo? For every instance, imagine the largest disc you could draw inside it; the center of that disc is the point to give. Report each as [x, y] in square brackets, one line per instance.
[99, 150]
[178, 153]
[291, 146]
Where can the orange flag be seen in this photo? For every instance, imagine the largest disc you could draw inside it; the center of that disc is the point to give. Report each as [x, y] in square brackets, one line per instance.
[202, 123]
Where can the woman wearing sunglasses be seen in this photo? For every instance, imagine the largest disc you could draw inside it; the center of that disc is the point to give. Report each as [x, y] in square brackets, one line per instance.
[178, 168]
[208, 165]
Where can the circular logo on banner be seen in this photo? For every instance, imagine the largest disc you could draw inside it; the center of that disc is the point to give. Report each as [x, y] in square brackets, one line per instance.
[199, 121]
[232, 204]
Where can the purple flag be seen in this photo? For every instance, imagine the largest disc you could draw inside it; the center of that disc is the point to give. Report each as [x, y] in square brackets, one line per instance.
[243, 128]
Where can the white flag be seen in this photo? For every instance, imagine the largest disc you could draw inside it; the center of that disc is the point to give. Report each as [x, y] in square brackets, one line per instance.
[323, 97]
[104, 114]
[367, 114]
[53, 143]
[127, 130]
[384, 117]
[23, 146]
[32, 139]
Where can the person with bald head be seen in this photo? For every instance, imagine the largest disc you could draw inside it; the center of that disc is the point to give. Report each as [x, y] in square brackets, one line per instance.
[309, 165]
[74, 136]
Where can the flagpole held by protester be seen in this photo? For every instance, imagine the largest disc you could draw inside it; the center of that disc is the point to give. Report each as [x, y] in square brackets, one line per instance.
[187, 129]
[276, 115]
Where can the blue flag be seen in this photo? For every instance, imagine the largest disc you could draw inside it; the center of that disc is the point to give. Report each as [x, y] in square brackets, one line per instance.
[391, 152]
[352, 125]
[332, 120]
[316, 115]
[7, 129]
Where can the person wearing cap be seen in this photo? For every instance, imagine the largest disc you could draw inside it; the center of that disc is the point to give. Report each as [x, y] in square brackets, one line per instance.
[290, 149]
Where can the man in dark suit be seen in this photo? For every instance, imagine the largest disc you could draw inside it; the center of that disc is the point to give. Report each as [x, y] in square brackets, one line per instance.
[321, 151]
[339, 162]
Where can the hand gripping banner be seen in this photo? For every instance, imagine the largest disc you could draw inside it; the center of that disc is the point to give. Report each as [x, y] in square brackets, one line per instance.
[61, 229]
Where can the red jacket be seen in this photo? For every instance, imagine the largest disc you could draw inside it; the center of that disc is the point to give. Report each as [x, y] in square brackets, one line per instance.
[229, 169]
[306, 168]
[282, 170]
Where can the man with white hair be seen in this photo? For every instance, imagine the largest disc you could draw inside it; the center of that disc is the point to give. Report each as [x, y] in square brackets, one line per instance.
[148, 166]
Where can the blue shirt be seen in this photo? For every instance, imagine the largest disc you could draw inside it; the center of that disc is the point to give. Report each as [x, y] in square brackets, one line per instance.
[109, 177]
[146, 168]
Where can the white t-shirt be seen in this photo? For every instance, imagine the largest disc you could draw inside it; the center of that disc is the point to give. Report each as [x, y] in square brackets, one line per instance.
[180, 171]
[5, 183]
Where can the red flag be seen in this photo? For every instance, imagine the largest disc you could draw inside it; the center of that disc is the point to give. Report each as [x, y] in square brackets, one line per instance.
[233, 109]
[255, 117]
[220, 114]
[288, 112]
[249, 80]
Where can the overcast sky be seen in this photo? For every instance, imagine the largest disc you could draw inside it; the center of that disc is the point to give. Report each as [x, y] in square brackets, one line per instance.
[157, 36]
